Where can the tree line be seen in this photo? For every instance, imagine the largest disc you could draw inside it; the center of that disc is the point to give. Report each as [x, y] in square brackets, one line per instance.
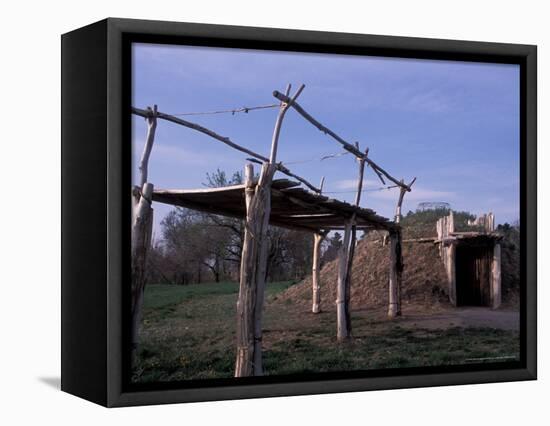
[197, 247]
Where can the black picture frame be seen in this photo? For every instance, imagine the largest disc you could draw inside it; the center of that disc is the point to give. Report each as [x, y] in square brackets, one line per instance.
[95, 212]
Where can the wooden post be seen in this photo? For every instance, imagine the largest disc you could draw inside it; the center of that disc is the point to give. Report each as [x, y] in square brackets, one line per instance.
[341, 314]
[141, 241]
[254, 259]
[151, 128]
[321, 185]
[451, 271]
[316, 264]
[447, 250]
[345, 259]
[396, 272]
[264, 199]
[142, 226]
[282, 111]
[317, 240]
[253, 268]
[247, 288]
[496, 293]
[490, 223]
[402, 192]
[223, 139]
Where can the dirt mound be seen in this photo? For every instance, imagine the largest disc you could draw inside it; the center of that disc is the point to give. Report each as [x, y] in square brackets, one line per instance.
[424, 280]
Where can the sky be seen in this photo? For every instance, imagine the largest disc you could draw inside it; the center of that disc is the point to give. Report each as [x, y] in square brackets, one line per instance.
[452, 125]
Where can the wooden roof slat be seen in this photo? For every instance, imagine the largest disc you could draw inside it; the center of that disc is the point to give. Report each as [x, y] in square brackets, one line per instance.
[291, 207]
[284, 183]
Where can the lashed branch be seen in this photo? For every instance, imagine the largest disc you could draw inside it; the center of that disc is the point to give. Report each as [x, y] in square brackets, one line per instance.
[347, 146]
[199, 128]
[400, 201]
[151, 128]
[225, 140]
[287, 172]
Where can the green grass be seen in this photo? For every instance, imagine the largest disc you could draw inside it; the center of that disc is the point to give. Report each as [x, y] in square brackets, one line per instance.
[188, 332]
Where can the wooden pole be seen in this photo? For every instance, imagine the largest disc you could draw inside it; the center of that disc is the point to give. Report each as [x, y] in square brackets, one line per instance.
[396, 270]
[281, 168]
[141, 241]
[396, 259]
[151, 129]
[285, 105]
[316, 264]
[263, 195]
[347, 146]
[142, 226]
[287, 172]
[316, 269]
[342, 329]
[247, 289]
[399, 203]
[496, 281]
[402, 192]
[351, 249]
[252, 275]
[199, 128]
[321, 185]
[254, 259]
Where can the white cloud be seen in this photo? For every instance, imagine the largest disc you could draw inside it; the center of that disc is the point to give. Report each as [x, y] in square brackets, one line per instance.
[175, 154]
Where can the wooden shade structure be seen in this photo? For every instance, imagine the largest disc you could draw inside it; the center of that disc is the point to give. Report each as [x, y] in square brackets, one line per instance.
[263, 201]
[291, 207]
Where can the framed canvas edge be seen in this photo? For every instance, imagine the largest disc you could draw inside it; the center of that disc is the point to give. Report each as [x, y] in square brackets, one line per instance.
[417, 47]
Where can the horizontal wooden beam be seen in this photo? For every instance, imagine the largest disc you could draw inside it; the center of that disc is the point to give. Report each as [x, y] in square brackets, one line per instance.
[420, 240]
[144, 113]
[347, 146]
[199, 128]
[287, 172]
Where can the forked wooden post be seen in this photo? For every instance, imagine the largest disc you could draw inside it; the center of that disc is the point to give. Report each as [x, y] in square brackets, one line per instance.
[316, 264]
[254, 259]
[316, 271]
[396, 257]
[447, 249]
[151, 129]
[142, 228]
[396, 272]
[402, 192]
[346, 264]
[253, 268]
[141, 241]
[496, 293]
[342, 329]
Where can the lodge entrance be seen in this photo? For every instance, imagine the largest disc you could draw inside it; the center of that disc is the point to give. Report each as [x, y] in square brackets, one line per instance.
[473, 275]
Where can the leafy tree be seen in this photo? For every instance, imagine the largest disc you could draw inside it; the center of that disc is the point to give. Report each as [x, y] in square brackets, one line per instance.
[195, 244]
[333, 245]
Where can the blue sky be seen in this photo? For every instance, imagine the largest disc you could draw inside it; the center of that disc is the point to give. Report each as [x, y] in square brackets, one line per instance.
[453, 125]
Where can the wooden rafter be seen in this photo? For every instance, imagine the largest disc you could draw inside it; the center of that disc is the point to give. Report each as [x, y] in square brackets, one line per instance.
[194, 126]
[347, 146]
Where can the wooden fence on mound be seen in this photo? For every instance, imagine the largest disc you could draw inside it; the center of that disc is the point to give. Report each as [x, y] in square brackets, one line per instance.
[260, 202]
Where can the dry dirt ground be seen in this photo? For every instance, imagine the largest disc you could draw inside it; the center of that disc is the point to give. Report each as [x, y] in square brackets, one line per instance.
[464, 317]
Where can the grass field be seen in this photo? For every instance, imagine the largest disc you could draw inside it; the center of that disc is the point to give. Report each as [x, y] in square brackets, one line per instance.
[188, 332]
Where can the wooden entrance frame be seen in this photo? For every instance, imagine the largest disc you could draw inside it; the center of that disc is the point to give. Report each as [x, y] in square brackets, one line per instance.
[449, 239]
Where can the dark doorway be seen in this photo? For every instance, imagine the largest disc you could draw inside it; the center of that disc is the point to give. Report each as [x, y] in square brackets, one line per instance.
[473, 275]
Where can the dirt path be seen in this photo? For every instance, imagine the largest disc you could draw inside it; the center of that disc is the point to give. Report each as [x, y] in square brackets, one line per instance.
[464, 317]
